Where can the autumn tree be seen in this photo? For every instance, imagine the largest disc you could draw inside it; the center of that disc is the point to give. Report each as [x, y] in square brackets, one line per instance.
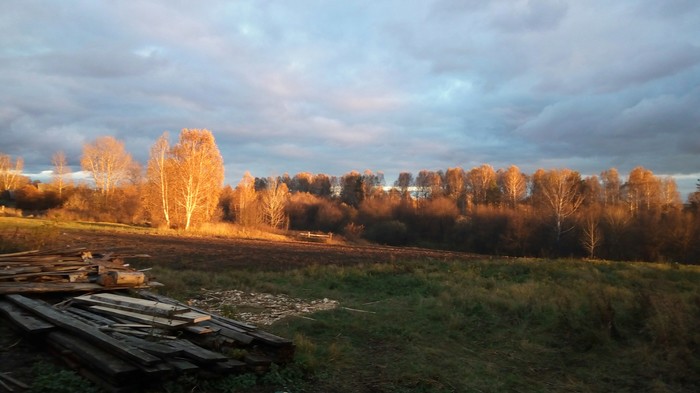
[611, 184]
[197, 175]
[352, 192]
[513, 184]
[301, 182]
[61, 172]
[108, 162]
[560, 194]
[642, 189]
[320, 185]
[429, 184]
[404, 182]
[670, 197]
[273, 201]
[10, 173]
[482, 184]
[244, 201]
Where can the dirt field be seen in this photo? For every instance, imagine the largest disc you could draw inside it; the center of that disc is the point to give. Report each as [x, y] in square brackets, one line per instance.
[219, 253]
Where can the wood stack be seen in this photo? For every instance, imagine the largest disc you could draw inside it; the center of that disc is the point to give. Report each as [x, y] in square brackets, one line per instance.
[122, 339]
[66, 270]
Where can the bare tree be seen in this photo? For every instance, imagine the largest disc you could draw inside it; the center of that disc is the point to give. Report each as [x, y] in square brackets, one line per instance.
[160, 174]
[592, 235]
[198, 175]
[560, 190]
[61, 172]
[10, 174]
[108, 163]
[273, 201]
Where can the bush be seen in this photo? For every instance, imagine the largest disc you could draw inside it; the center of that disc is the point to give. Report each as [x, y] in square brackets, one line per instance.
[392, 232]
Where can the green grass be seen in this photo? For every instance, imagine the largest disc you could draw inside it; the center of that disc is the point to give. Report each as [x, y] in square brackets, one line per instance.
[485, 325]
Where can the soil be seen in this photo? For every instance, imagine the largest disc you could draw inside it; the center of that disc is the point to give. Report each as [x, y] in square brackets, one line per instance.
[223, 253]
[18, 355]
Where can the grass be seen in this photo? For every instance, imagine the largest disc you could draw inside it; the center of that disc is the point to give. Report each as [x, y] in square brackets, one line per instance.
[488, 325]
[485, 325]
[18, 233]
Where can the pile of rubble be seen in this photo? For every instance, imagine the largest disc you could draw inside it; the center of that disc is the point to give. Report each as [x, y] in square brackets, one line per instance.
[258, 308]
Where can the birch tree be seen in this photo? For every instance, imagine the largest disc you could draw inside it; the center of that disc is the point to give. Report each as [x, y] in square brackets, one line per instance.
[198, 175]
[108, 162]
[513, 184]
[482, 182]
[10, 173]
[560, 193]
[159, 176]
[273, 201]
[244, 201]
[61, 172]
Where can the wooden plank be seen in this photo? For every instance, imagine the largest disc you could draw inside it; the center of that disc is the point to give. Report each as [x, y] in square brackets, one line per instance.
[138, 302]
[229, 333]
[153, 320]
[95, 358]
[196, 353]
[26, 321]
[164, 299]
[143, 306]
[94, 318]
[45, 287]
[86, 331]
[19, 270]
[155, 348]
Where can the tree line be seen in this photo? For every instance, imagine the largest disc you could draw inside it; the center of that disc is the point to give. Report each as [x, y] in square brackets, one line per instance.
[551, 212]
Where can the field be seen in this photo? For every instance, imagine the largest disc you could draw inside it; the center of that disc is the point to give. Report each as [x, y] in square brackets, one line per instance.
[415, 320]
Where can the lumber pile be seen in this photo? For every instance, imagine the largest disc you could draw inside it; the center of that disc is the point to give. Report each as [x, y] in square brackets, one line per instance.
[69, 270]
[119, 335]
[121, 341]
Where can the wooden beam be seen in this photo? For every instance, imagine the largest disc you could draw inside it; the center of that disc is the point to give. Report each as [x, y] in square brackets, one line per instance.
[23, 319]
[86, 331]
[168, 323]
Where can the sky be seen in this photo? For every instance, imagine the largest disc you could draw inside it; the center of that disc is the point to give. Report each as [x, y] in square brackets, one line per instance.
[335, 86]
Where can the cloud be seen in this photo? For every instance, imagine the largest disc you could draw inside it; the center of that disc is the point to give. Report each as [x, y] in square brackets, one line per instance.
[336, 86]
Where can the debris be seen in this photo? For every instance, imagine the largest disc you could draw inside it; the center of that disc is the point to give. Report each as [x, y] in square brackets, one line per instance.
[259, 308]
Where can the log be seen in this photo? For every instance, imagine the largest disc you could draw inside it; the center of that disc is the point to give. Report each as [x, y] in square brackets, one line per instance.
[119, 278]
